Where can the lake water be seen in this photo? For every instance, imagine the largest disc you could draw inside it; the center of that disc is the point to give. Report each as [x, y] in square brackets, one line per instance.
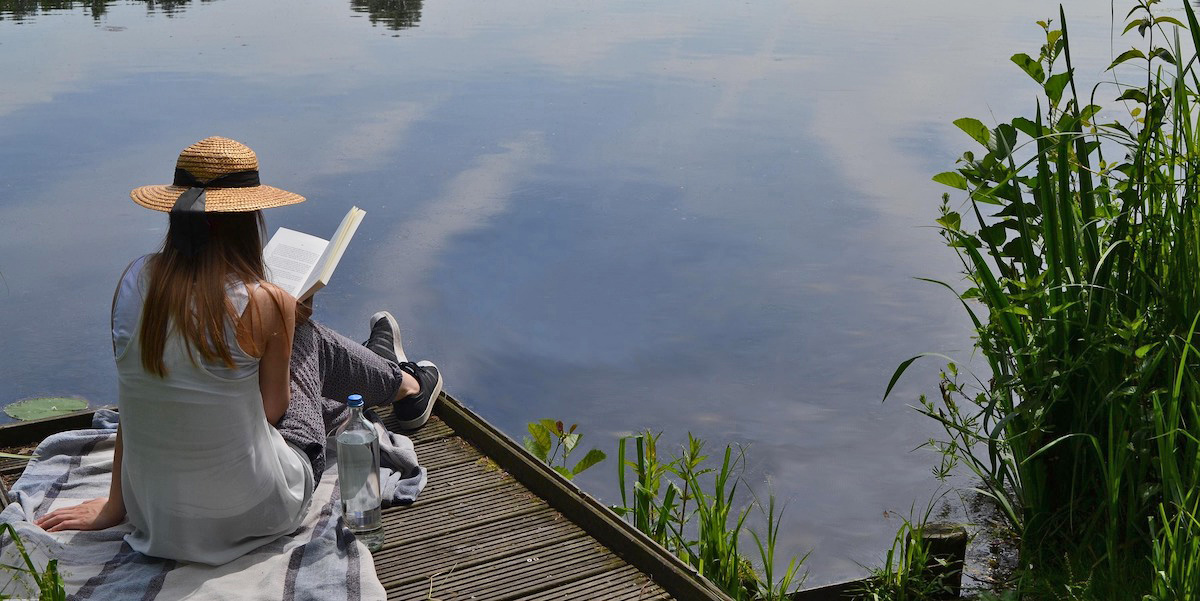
[681, 215]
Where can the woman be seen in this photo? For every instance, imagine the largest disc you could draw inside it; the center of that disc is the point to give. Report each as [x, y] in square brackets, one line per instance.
[224, 393]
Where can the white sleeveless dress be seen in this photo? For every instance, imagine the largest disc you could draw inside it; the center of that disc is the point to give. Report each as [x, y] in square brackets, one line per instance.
[205, 478]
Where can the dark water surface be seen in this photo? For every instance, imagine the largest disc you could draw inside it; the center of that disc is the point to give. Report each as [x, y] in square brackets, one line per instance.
[683, 215]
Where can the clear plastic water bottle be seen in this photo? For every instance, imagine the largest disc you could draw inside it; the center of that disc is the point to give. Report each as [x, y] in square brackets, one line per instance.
[358, 475]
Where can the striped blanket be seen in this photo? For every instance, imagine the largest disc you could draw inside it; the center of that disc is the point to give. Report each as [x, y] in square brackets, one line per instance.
[321, 561]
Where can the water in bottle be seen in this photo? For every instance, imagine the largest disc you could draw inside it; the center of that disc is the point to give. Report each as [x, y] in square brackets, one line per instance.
[358, 475]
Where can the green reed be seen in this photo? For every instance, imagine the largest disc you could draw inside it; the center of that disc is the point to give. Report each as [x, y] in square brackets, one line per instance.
[1175, 555]
[669, 500]
[47, 581]
[1081, 248]
[905, 574]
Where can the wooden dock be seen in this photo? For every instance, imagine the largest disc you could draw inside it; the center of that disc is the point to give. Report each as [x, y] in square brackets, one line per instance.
[492, 524]
[495, 524]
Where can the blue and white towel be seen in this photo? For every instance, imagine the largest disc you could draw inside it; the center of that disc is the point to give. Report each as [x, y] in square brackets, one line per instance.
[321, 561]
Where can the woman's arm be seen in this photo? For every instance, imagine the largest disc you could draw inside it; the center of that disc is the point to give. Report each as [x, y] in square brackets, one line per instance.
[267, 328]
[96, 514]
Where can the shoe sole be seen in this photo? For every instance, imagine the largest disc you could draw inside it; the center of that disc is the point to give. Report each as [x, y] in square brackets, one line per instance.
[397, 343]
[415, 423]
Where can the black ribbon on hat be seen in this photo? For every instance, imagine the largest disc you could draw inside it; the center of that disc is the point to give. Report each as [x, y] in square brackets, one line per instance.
[189, 222]
[192, 199]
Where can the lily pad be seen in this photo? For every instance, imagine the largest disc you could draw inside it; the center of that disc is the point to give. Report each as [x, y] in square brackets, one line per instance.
[42, 407]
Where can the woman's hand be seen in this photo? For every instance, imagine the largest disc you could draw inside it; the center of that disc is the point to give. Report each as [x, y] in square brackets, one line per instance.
[96, 514]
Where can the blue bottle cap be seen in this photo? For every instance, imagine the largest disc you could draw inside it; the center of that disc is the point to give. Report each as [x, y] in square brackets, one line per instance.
[355, 400]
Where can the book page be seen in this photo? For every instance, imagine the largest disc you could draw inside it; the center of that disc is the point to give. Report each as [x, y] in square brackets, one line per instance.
[291, 258]
[332, 254]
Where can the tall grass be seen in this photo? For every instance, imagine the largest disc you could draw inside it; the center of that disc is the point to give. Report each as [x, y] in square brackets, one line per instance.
[47, 581]
[1081, 248]
[1176, 551]
[905, 574]
[669, 500]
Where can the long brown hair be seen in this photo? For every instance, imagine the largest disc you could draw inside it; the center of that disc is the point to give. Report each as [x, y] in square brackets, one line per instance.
[188, 280]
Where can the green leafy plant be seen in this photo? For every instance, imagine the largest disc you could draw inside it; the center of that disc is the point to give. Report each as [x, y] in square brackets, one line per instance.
[910, 570]
[48, 581]
[553, 444]
[1080, 243]
[771, 584]
[1175, 556]
[670, 502]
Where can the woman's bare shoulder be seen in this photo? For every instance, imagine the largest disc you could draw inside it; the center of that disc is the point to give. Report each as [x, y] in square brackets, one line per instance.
[264, 292]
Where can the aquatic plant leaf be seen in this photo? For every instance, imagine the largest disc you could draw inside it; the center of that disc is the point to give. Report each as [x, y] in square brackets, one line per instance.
[1133, 94]
[593, 457]
[1054, 86]
[1127, 55]
[994, 234]
[903, 367]
[539, 445]
[1164, 54]
[1029, 66]
[569, 441]
[953, 179]
[43, 407]
[1005, 139]
[1088, 112]
[950, 221]
[987, 195]
[976, 129]
[964, 242]
[1141, 24]
[1026, 126]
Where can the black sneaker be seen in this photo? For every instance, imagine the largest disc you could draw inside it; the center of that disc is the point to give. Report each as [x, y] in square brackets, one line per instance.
[385, 338]
[413, 411]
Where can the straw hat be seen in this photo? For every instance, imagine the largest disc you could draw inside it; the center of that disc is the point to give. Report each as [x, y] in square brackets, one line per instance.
[207, 160]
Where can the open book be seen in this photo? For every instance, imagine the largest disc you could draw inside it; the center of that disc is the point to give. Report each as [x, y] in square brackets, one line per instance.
[300, 263]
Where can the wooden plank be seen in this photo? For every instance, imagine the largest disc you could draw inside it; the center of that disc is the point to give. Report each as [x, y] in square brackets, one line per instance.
[422, 521]
[419, 561]
[12, 466]
[633, 546]
[446, 452]
[526, 572]
[434, 429]
[462, 479]
[625, 583]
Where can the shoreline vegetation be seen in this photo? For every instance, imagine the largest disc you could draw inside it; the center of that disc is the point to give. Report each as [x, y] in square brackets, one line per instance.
[669, 501]
[1079, 237]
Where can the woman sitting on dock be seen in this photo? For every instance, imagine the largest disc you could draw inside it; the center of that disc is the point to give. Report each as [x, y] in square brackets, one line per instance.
[223, 379]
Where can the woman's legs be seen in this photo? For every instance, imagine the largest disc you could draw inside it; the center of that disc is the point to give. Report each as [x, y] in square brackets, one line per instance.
[326, 367]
